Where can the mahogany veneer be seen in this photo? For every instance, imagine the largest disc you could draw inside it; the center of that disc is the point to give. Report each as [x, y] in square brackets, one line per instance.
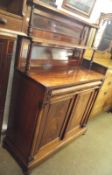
[52, 95]
[65, 77]
[48, 110]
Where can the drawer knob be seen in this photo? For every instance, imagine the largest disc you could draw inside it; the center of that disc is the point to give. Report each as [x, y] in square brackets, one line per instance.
[3, 21]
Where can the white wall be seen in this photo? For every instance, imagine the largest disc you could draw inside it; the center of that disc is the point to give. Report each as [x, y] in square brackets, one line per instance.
[100, 6]
[104, 6]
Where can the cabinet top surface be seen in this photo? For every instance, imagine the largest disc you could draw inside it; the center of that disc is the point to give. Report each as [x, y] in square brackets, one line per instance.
[65, 77]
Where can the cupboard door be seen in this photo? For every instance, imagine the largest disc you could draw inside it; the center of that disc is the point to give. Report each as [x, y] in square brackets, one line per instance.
[6, 47]
[58, 112]
[81, 109]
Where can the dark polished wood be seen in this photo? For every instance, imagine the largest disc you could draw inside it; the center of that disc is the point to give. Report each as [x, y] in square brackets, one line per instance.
[33, 92]
[6, 48]
[62, 77]
[58, 43]
[42, 6]
[45, 104]
[82, 100]
[52, 94]
[55, 119]
[58, 28]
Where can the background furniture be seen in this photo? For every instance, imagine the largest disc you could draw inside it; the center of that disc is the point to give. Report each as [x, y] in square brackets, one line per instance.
[13, 15]
[104, 99]
[6, 49]
[102, 56]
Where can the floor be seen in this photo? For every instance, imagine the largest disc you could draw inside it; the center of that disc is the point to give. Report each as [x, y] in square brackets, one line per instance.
[90, 154]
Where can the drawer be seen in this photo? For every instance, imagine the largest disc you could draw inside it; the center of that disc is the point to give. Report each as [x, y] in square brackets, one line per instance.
[9, 22]
[76, 88]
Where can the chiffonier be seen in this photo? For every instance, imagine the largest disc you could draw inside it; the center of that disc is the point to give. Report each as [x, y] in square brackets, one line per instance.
[54, 88]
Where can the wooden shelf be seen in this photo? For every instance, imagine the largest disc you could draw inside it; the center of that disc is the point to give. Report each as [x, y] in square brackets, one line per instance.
[42, 5]
[58, 44]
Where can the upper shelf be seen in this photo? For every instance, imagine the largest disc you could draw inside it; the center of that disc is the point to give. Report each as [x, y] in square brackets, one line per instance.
[58, 44]
[46, 7]
[55, 27]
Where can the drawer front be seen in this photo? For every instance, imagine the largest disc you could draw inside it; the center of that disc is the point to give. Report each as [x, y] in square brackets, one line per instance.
[11, 23]
[76, 88]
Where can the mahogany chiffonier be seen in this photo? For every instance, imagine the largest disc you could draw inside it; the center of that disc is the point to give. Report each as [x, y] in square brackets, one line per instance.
[53, 89]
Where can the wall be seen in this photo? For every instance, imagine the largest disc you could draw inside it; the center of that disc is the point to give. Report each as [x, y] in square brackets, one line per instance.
[100, 6]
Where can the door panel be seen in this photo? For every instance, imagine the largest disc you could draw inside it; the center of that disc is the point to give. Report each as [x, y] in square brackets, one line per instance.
[57, 113]
[65, 114]
[81, 106]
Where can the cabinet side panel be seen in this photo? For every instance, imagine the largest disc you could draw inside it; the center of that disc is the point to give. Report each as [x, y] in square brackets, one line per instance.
[25, 108]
